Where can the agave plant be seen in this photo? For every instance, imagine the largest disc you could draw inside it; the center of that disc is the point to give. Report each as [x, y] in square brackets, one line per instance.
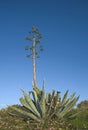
[42, 108]
[57, 107]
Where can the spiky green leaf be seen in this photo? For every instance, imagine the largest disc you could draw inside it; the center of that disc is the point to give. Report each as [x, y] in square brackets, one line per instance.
[30, 103]
[25, 114]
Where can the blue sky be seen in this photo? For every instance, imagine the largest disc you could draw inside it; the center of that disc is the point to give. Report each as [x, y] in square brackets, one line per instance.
[64, 62]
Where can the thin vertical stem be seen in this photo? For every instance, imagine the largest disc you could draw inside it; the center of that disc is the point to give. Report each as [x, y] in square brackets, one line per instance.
[34, 63]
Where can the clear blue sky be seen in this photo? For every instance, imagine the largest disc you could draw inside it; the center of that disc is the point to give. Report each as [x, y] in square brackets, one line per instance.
[64, 62]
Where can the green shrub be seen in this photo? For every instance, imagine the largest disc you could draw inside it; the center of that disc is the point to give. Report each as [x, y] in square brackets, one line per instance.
[81, 121]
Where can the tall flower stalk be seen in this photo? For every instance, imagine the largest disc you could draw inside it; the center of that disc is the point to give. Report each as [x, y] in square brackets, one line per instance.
[35, 39]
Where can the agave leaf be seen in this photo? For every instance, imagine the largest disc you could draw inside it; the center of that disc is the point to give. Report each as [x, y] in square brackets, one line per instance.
[42, 102]
[51, 102]
[70, 99]
[66, 101]
[25, 114]
[35, 97]
[65, 97]
[71, 104]
[38, 92]
[36, 101]
[66, 105]
[25, 104]
[47, 102]
[31, 104]
[56, 101]
[47, 96]
[72, 96]
[67, 108]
